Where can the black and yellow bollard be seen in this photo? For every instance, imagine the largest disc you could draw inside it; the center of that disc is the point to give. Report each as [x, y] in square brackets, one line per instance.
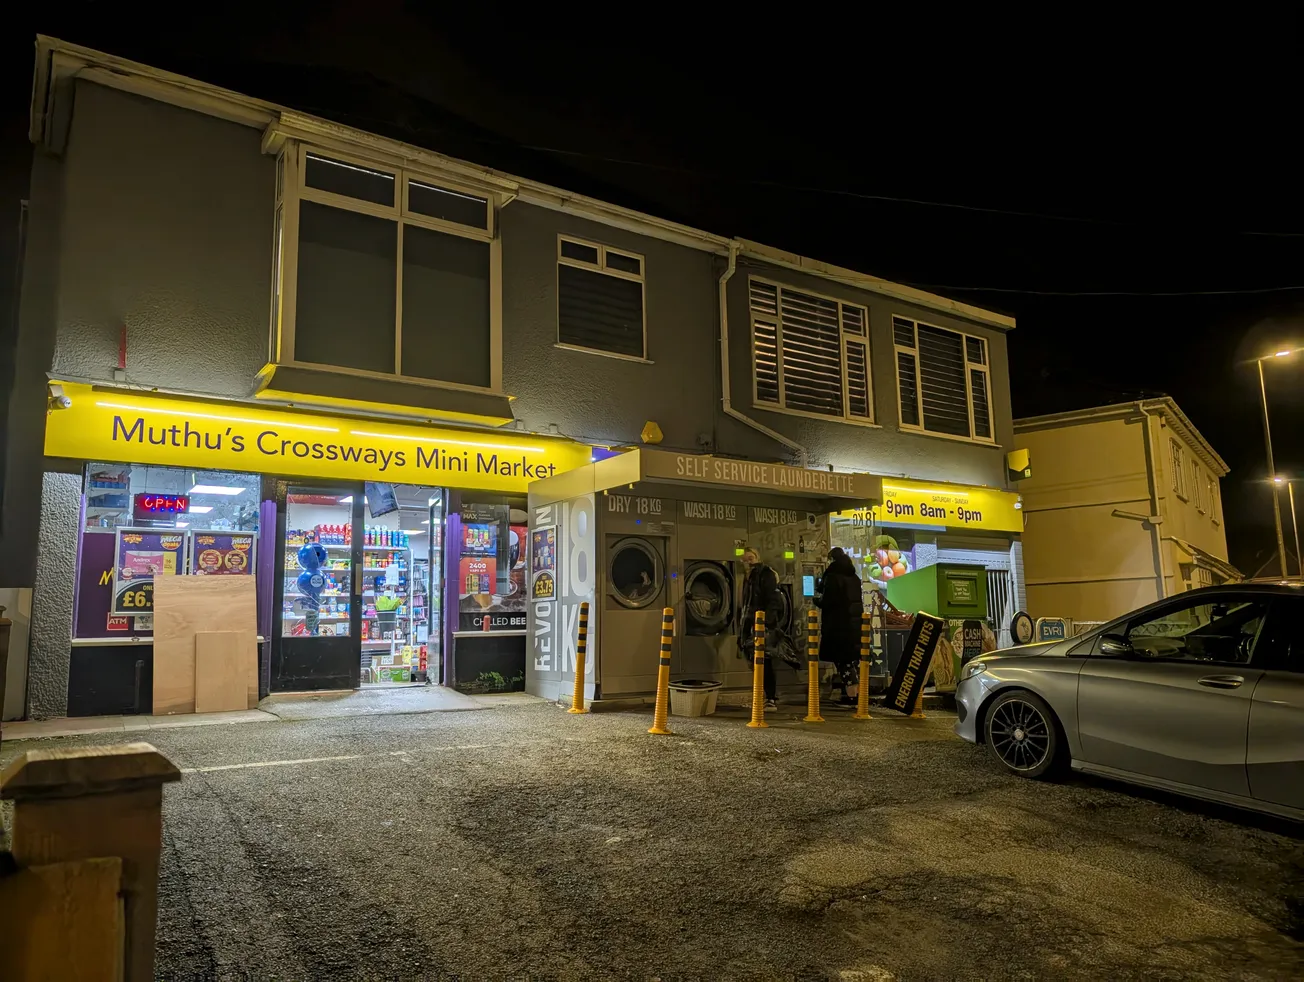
[660, 718]
[758, 673]
[581, 652]
[866, 651]
[813, 668]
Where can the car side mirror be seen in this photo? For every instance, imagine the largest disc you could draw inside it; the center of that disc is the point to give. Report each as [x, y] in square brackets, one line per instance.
[1117, 646]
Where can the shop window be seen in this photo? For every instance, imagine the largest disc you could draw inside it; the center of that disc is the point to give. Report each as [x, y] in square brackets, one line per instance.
[600, 299]
[943, 381]
[381, 272]
[488, 538]
[810, 353]
[142, 522]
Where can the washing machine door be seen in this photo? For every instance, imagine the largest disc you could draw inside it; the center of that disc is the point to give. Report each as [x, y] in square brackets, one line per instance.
[708, 598]
[636, 572]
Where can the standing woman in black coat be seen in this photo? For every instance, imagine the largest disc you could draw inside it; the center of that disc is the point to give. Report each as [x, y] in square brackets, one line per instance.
[838, 596]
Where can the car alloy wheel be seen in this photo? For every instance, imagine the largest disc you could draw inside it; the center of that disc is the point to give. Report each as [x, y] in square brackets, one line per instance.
[1020, 734]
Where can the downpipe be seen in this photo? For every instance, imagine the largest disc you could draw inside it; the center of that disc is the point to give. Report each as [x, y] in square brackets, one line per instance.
[803, 457]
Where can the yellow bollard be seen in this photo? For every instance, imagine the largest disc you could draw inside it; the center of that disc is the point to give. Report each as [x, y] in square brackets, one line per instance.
[918, 711]
[866, 648]
[758, 673]
[660, 718]
[581, 650]
[813, 668]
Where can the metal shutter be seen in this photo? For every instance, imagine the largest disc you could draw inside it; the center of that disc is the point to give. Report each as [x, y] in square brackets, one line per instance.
[600, 312]
[941, 381]
[982, 418]
[812, 354]
[765, 340]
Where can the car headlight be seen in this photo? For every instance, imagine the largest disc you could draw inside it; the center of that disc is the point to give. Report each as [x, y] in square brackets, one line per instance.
[971, 669]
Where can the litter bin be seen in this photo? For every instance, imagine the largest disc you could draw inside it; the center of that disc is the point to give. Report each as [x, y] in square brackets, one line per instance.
[693, 697]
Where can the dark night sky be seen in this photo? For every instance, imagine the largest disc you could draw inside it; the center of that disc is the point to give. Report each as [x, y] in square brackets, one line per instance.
[1068, 173]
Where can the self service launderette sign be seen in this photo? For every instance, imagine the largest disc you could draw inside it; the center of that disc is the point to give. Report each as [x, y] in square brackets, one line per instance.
[146, 429]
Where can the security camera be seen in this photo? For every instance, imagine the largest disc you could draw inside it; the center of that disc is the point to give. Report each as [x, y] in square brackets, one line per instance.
[57, 398]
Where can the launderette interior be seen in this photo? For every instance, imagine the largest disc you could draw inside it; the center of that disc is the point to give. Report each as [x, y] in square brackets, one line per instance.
[650, 529]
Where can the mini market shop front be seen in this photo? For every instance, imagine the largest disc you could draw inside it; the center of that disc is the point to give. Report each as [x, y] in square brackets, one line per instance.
[421, 532]
[925, 533]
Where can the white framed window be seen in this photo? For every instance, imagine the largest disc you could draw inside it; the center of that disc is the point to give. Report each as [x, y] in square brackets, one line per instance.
[1177, 454]
[600, 299]
[810, 353]
[943, 381]
[1211, 493]
[1197, 489]
[383, 271]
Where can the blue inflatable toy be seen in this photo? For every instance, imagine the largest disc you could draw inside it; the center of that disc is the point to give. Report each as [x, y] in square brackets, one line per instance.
[311, 582]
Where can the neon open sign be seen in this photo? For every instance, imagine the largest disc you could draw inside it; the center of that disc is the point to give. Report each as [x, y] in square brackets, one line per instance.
[154, 505]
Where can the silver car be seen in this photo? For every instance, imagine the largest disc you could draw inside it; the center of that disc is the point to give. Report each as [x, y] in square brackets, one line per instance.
[1201, 694]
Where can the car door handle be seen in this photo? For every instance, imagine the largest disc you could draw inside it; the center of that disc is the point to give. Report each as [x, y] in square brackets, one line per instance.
[1223, 681]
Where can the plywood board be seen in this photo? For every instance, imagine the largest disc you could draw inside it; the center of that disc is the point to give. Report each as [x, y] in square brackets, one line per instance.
[221, 670]
[185, 606]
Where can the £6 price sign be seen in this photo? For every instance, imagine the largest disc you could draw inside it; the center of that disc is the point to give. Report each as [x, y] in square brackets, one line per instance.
[143, 554]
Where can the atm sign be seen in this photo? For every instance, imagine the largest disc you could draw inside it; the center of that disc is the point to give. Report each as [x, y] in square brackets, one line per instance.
[153, 505]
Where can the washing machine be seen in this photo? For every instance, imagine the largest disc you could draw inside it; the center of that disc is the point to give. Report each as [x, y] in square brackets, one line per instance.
[635, 571]
[711, 594]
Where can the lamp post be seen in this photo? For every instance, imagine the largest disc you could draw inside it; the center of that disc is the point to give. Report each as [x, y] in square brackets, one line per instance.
[1272, 470]
[1294, 522]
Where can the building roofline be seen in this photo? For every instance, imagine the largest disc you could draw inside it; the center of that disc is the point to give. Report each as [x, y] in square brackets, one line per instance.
[58, 62]
[1164, 405]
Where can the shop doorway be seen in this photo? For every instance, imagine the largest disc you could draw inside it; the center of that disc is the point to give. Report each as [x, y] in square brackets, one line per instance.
[317, 592]
[357, 586]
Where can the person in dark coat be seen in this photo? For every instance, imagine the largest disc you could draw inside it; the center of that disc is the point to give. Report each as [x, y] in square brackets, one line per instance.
[837, 594]
[761, 593]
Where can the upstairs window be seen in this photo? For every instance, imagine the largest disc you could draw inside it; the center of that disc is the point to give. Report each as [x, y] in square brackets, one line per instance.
[600, 299]
[381, 272]
[1197, 492]
[810, 354]
[1177, 455]
[943, 381]
[1211, 494]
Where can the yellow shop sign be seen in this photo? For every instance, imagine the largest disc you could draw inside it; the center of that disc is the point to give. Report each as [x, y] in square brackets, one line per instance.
[943, 505]
[142, 428]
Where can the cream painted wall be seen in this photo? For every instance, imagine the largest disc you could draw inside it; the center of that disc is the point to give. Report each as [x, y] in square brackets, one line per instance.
[1081, 560]
[1192, 518]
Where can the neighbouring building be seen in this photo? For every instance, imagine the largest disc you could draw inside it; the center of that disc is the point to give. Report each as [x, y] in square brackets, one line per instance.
[1122, 508]
[244, 329]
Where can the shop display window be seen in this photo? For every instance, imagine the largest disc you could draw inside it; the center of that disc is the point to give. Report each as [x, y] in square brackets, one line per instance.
[488, 542]
[879, 553]
[142, 522]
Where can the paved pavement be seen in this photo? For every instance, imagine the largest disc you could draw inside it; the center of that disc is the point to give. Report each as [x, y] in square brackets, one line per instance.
[522, 842]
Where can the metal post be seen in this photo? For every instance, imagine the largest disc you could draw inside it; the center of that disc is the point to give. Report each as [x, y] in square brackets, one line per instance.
[758, 673]
[1272, 472]
[581, 652]
[660, 718]
[813, 668]
[866, 653]
[1294, 524]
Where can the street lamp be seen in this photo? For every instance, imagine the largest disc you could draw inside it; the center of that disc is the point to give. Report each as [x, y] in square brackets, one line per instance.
[1267, 439]
[1294, 522]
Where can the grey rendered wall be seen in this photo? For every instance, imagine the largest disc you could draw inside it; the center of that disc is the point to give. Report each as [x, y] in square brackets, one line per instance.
[601, 398]
[166, 229]
[51, 628]
[884, 449]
